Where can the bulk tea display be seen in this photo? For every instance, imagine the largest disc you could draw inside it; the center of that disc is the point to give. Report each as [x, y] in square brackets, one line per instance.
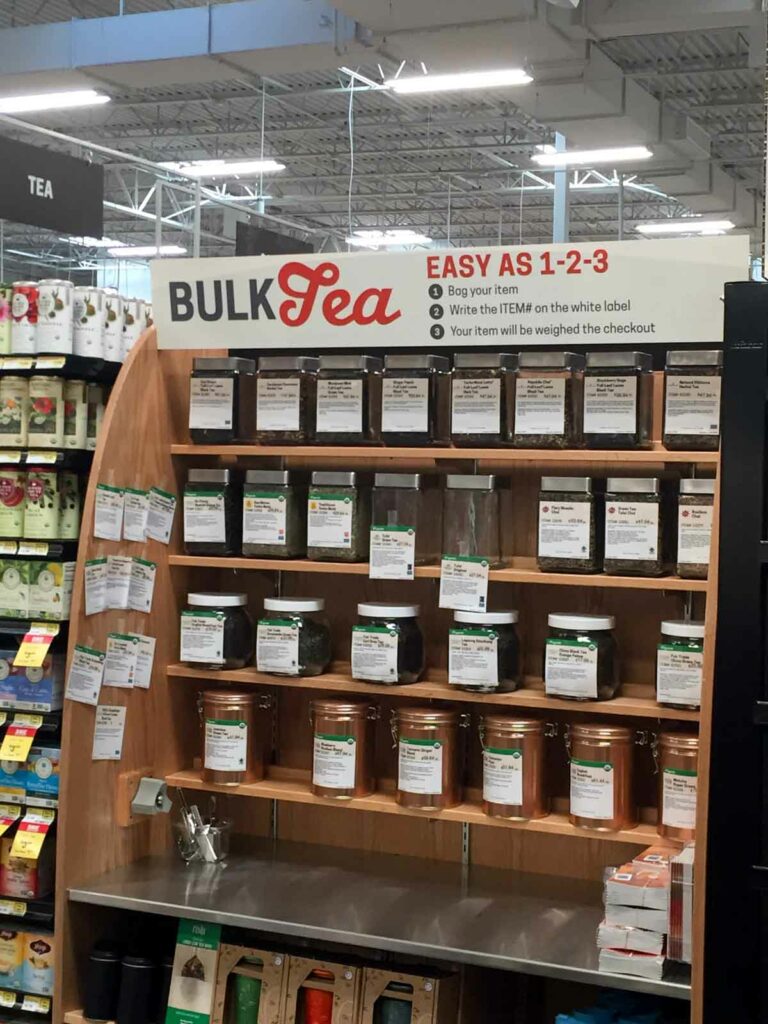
[221, 400]
[293, 638]
[513, 767]
[342, 759]
[387, 644]
[416, 400]
[570, 525]
[635, 535]
[216, 631]
[680, 664]
[285, 399]
[483, 399]
[694, 528]
[348, 409]
[618, 400]
[274, 515]
[406, 524]
[549, 400]
[580, 657]
[338, 518]
[484, 652]
[211, 513]
[692, 399]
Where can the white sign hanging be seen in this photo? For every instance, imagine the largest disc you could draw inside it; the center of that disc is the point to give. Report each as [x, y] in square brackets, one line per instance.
[604, 292]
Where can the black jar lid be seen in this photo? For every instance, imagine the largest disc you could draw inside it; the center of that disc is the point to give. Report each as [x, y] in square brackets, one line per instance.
[483, 360]
[236, 364]
[619, 360]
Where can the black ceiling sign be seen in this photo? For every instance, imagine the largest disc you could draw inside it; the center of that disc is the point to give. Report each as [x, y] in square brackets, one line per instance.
[50, 190]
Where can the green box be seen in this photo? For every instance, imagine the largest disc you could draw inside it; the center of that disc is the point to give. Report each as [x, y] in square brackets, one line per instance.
[14, 588]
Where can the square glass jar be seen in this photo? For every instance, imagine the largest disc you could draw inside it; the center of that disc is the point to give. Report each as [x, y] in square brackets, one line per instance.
[222, 401]
[416, 400]
[285, 399]
[409, 501]
[471, 518]
[695, 508]
[274, 514]
[483, 399]
[338, 518]
[636, 528]
[211, 513]
[618, 400]
[549, 400]
[570, 534]
[348, 405]
[692, 384]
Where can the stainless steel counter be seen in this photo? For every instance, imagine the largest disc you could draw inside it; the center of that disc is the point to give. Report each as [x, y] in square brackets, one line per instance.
[526, 923]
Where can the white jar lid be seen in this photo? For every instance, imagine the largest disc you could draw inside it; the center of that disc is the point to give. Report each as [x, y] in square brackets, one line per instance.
[216, 600]
[681, 628]
[486, 618]
[294, 604]
[374, 610]
[583, 623]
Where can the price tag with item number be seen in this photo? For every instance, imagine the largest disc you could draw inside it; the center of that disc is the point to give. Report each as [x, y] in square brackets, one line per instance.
[31, 833]
[19, 737]
[33, 649]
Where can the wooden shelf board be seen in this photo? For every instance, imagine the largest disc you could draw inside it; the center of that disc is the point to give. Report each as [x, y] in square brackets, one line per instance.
[653, 455]
[292, 791]
[520, 570]
[77, 1017]
[531, 697]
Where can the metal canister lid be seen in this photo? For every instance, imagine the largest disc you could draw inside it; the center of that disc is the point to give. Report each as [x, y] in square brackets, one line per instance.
[327, 706]
[203, 600]
[697, 486]
[577, 484]
[633, 485]
[551, 361]
[322, 479]
[598, 731]
[508, 724]
[695, 357]
[426, 716]
[400, 481]
[687, 741]
[310, 364]
[369, 363]
[238, 365]
[682, 629]
[416, 362]
[467, 482]
[228, 697]
[619, 360]
[485, 360]
[208, 476]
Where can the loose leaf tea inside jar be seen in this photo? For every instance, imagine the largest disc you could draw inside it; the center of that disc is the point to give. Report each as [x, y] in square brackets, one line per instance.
[549, 400]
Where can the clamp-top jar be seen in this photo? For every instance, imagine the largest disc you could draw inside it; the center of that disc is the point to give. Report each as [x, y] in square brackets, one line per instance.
[601, 766]
[513, 767]
[678, 756]
[233, 746]
[342, 763]
[427, 741]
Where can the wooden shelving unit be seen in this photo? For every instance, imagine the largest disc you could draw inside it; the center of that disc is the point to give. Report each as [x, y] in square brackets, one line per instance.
[530, 697]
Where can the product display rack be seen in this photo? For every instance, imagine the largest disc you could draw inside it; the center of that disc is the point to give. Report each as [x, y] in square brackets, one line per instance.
[127, 862]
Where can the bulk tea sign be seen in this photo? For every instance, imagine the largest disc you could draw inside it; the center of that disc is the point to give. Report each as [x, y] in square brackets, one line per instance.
[631, 293]
[50, 190]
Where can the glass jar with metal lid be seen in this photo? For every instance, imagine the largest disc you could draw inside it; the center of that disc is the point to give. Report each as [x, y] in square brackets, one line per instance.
[692, 399]
[343, 746]
[471, 518]
[635, 528]
[416, 400]
[338, 518]
[695, 508]
[387, 644]
[216, 631]
[427, 741]
[348, 409]
[570, 537]
[285, 399]
[513, 767]
[406, 523]
[483, 398]
[601, 769]
[221, 400]
[274, 515]
[293, 637]
[234, 747]
[680, 663]
[211, 513]
[678, 756]
[549, 400]
[484, 652]
[618, 400]
[580, 657]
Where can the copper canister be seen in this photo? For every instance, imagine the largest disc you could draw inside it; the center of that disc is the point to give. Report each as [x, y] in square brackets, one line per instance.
[513, 767]
[428, 757]
[601, 777]
[232, 752]
[342, 761]
[678, 755]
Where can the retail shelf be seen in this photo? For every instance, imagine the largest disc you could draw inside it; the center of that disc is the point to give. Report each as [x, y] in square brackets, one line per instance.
[295, 790]
[531, 924]
[75, 459]
[26, 1002]
[18, 627]
[520, 570]
[25, 911]
[71, 366]
[531, 696]
[655, 455]
[65, 550]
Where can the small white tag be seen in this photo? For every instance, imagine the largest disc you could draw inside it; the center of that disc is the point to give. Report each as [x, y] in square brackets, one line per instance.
[108, 733]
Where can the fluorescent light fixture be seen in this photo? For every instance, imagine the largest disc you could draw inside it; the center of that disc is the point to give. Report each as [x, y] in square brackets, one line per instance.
[51, 101]
[460, 80]
[687, 226]
[373, 239]
[131, 252]
[224, 168]
[93, 243]
[590, 157]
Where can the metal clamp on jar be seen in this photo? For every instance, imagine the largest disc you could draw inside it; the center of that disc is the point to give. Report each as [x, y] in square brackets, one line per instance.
[343, 743]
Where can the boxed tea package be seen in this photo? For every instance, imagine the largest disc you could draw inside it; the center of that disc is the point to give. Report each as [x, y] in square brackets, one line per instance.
[23, 877]
[11, 958]
[50, 590]
[14, 588]
[7, 679]
[38, 963]
[13, 782]
[43, 772]
[39, 689]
